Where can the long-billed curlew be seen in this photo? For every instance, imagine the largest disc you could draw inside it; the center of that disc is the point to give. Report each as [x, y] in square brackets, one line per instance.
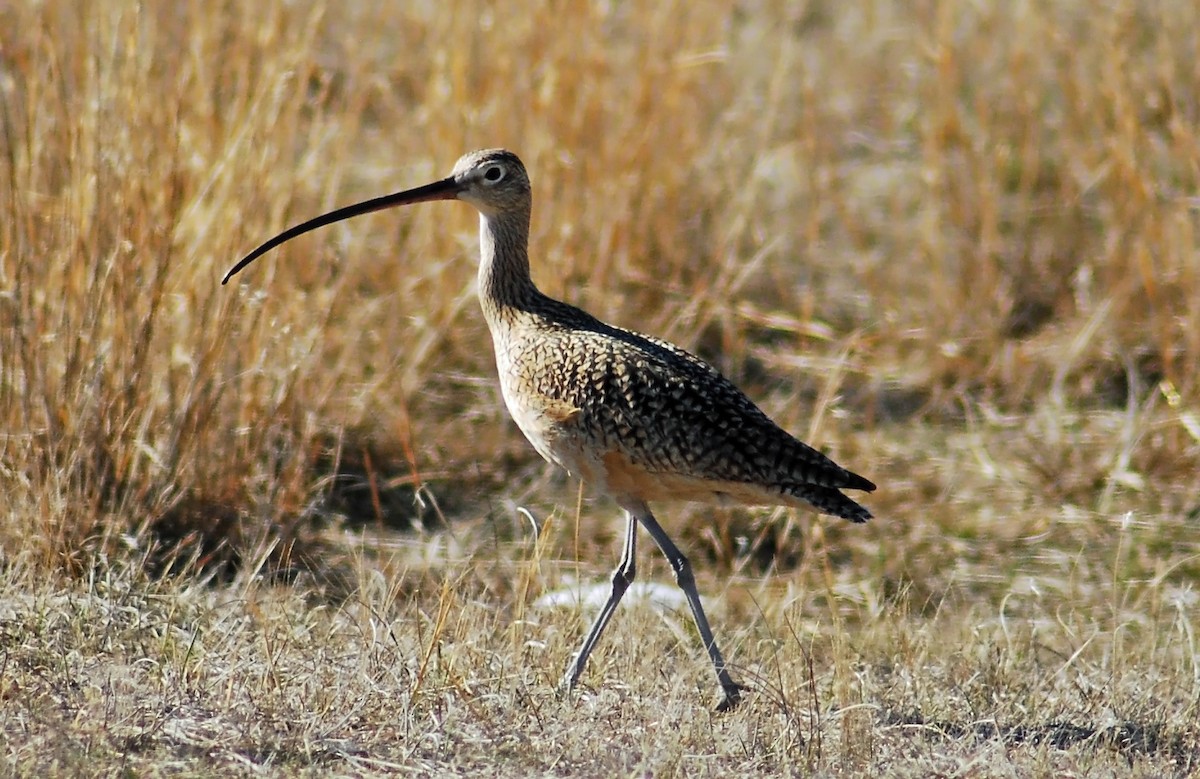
[639, 418]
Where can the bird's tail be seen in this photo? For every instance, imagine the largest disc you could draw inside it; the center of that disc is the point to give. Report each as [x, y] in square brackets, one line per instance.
[831, 501]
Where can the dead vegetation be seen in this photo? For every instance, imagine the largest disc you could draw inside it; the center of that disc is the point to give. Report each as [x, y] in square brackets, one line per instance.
[285, 527]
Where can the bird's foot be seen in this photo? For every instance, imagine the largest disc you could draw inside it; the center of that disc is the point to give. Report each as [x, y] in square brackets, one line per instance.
[567, 685]
[733, 696]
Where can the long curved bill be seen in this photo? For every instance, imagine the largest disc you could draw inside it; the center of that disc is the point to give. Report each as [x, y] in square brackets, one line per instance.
[446, 189]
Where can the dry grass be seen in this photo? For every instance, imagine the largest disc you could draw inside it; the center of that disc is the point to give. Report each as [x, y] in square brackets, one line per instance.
[274, 528]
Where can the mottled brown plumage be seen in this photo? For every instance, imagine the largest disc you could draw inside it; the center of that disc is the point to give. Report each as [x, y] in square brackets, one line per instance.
[636, 417]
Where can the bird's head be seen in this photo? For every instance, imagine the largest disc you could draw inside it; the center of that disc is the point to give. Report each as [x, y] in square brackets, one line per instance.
[492, 180]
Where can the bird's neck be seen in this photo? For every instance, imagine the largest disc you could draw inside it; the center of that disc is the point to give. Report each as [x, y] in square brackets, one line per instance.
[505, 287]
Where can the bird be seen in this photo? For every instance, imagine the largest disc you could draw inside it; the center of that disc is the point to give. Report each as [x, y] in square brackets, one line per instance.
[639, 419]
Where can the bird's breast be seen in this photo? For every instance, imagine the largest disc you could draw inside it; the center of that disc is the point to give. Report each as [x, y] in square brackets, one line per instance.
[551, 423]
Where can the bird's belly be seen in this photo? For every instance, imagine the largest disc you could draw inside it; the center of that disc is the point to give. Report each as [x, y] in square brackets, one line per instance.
[622, 474]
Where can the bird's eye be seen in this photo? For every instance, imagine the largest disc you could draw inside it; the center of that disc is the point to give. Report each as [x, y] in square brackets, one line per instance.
[493, 174]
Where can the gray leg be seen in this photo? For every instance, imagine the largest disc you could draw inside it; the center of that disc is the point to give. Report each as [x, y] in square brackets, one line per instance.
[686, 582]
[621, 579]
